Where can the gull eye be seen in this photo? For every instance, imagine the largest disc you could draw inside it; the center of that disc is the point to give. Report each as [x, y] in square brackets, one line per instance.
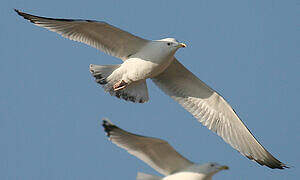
[168, 44]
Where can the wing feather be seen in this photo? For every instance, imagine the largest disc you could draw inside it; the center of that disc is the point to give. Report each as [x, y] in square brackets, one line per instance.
[100, 35]
[213, 112]
[157, 153]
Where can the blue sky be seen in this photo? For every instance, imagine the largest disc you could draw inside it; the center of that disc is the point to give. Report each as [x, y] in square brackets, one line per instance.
[51, 108]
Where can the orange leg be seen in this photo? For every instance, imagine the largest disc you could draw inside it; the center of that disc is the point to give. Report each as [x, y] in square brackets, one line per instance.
[120, 85]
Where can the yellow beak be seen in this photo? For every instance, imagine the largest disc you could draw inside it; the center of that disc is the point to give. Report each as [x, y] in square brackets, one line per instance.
[225, 167]
[182, 45]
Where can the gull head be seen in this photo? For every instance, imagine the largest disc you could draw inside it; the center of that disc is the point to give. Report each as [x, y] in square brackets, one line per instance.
[162, 48]
[212, 168]
[171, 43]
[209, 169]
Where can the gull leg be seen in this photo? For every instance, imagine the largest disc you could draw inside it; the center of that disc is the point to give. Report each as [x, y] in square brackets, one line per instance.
[120, 85]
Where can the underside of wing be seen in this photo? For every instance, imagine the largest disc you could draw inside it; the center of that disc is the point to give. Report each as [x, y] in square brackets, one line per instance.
[155, 152]
[100, 35]
[213, 112]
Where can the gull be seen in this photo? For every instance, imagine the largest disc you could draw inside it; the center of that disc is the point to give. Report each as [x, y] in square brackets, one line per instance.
[160, 155]
[144, 59]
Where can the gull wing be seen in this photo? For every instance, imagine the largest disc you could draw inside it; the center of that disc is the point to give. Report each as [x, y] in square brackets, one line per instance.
[213, 112]
[155, 152]
[100, 35]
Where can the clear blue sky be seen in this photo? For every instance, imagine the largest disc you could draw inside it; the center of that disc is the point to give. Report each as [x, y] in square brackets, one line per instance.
[50, 106]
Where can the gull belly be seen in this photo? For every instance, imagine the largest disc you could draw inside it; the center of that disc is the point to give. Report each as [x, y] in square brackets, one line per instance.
[136, 69]
[187, 175]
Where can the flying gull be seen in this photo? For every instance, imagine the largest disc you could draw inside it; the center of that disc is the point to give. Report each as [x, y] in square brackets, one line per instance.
[160, 155]
[143, 59]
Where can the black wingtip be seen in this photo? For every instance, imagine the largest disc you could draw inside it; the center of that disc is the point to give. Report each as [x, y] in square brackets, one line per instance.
[17, 11]
[108, 126]
[20, 12]
[272, 163]
[24, 15]
[277, 165]
[33, 18]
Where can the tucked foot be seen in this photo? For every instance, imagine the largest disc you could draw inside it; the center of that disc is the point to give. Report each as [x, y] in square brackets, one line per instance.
[120, 85]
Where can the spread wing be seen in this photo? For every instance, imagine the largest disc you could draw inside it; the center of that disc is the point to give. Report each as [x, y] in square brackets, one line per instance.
[100, 35]
[213, 112]
[155, 152]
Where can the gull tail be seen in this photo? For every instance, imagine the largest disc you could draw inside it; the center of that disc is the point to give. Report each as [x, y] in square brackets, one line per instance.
[143, 176]
[107, 76]
[102, 72]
